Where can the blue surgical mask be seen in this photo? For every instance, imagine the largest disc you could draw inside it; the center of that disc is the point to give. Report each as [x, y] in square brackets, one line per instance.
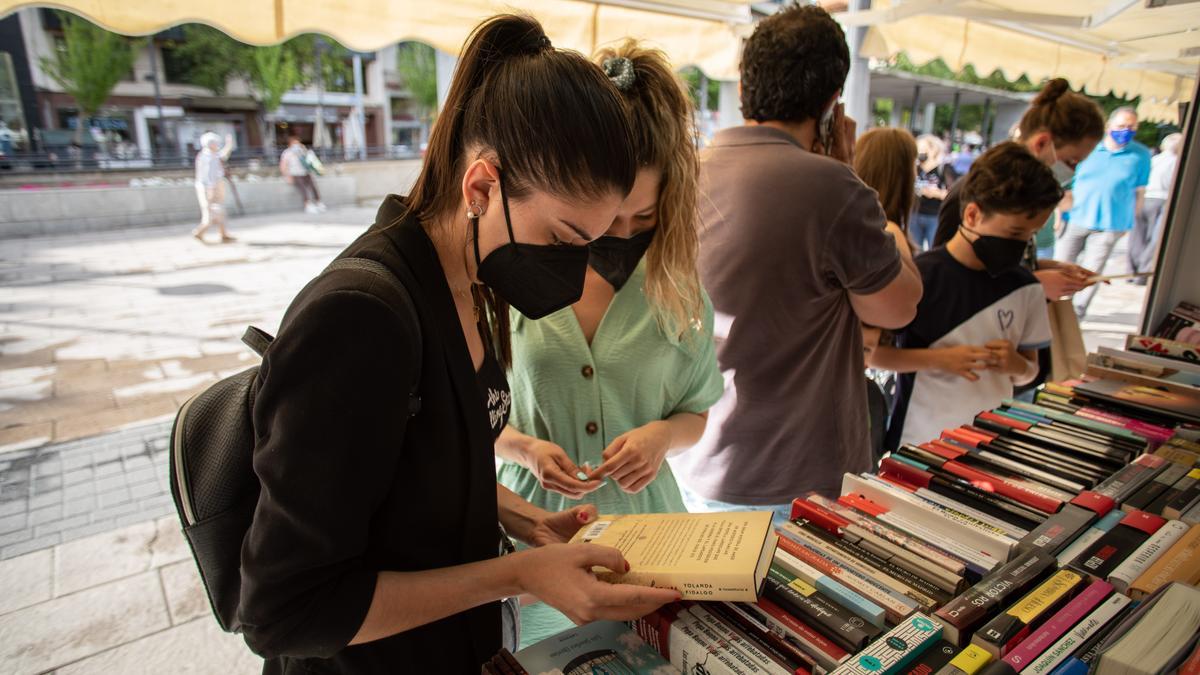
[1122, 136]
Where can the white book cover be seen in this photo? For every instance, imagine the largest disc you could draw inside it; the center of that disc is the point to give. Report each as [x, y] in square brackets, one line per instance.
[1146, 554]
[1067, 644]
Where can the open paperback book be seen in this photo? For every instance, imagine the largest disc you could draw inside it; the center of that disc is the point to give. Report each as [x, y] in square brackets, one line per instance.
[704, 556]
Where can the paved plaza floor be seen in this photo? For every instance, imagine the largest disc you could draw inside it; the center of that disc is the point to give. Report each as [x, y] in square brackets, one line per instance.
[101, 338]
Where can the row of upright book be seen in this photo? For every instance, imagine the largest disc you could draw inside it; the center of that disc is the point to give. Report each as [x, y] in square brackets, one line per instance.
[1057, 537]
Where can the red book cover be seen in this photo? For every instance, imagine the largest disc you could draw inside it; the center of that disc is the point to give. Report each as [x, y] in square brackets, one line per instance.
[810, 635]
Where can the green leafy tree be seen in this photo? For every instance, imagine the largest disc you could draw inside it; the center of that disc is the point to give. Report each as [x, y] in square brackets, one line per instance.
[417, 66]
[274, 71]
[89, 63]
[208, 58]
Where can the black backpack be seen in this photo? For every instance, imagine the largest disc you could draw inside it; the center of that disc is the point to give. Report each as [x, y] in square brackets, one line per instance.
[211, 473]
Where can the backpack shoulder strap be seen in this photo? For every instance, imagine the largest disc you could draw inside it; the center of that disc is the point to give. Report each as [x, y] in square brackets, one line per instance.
[379, 269]
[257, 339]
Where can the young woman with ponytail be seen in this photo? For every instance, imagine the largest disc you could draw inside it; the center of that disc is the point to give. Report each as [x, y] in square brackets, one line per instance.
[375, 544]
[1061, 128]
[604, 390]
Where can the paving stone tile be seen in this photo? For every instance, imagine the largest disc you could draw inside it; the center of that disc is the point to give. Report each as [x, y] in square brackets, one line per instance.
[25, 435]
[64, 523]
[13, 538]
[38, 502]
[125, 552]
[186, 598]
[169, 545]
[77, 506]
[95, 423]
[34, 544]
[194, 648]
[97, 526]
[73, 627]
[46, 515]
[25, 580]
[107, 500]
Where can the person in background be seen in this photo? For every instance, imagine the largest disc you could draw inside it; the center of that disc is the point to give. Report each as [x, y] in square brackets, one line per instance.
[210, 184]
[1143, 240]
[294, 167]
[1105, 198]
[931, 190]
[1061, 127]
[983, 316]
[795, 253]
[604, 390]
[885, 159]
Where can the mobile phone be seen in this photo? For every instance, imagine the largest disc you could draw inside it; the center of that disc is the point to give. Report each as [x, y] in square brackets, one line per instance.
[825, 128]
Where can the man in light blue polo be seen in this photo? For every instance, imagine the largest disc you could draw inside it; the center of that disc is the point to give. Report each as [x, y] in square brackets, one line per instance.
[1105, 199]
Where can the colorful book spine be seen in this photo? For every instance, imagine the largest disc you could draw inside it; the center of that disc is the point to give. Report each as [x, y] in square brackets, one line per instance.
[828, 654]
[1186, 497]
[780, 643]
[1181, 562]
[1150, 491]
[952, 526]
[1058, 624]
[969, 661]
[896, 605]
[744, 650]
[1090, 536]
[1146, 554]
[966, 613]
[829, 586]
[1070, 642]
[1116, 545]
[848, 562]
[836, 525]
[895, 650]
[934, 658]
[805, 602]
[1161, 502]
[868, 526]
[976, 561]
[1000, 635]
[1063, 527]
[1124, 483]
[921, 588]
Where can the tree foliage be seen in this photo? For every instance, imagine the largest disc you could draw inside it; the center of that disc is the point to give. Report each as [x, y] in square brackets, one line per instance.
[417, 65]
[90, 62]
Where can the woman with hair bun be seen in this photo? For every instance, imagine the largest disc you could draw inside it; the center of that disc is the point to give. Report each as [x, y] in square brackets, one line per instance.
[375, 545]
[1061, 128]
[604, 390]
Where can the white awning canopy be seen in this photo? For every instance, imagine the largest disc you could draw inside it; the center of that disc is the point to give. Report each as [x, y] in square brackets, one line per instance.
[691, 32]
[1146, 48]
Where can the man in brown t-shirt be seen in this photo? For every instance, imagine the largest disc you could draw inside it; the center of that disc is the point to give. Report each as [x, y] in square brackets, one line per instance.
[794, 254]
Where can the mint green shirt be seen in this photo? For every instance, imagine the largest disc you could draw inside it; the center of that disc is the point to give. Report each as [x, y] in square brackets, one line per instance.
[582, 397]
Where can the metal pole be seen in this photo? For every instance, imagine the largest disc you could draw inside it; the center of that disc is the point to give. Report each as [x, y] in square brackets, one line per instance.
[986, 128]
[359, 115]
[319, 122]
[954, 117]
[856, 93]
[916, 102]
[158, 136]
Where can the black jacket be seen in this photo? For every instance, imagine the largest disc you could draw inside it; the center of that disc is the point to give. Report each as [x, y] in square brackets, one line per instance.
[351, 485]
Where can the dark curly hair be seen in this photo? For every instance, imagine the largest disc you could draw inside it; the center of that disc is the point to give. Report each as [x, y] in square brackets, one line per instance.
[1009, 179]
[794, 63]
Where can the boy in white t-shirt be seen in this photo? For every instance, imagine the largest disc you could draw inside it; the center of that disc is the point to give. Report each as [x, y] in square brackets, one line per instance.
[983, 316]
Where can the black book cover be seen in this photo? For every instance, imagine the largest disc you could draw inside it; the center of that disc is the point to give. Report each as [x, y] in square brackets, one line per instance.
[1114, 546]
[765, 640]
[849, 631]
[1059, 530]
[970, 610]
[1182, 501]
[1161, 502]
[1122, 484]
[933, 659]
[1146, 494]
[1091, 452]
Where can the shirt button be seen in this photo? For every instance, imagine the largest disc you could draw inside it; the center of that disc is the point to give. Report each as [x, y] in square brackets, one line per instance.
[588, 372]
[591, 428]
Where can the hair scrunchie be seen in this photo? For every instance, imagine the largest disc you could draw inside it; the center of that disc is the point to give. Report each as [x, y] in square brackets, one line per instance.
[620, 71]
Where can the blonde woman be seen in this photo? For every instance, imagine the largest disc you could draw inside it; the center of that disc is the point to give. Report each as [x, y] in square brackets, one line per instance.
[605, 389]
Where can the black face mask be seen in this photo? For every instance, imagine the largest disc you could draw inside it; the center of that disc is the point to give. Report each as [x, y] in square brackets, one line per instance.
[536, 279]
[998, 254]
[615, 258]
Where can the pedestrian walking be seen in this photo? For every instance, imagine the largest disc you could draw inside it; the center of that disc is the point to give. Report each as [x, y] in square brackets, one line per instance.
[1143, 240]
[296, 166]
[210, 184]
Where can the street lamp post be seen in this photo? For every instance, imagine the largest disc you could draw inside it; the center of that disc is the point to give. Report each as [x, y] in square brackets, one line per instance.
[153, 77]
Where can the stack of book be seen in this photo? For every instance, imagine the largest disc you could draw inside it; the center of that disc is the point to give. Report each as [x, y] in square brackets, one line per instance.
[1039, 538]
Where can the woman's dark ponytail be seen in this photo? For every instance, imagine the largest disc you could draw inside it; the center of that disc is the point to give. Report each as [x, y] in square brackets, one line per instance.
[1068, 116]
[550, 119]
